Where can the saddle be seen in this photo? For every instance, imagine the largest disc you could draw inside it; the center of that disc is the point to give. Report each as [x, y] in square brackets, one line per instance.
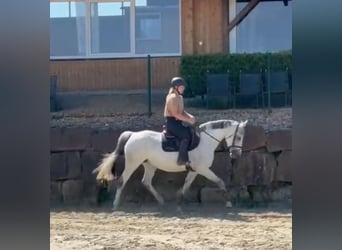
[170, 143]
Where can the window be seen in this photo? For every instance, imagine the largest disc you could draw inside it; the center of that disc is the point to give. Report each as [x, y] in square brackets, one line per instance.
[114, 28]
[157, 26]
[110, 27]
[267, 28]
[148, 26]
[67, 29]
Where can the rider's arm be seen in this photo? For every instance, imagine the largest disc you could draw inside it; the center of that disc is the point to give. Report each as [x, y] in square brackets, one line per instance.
[187, 114]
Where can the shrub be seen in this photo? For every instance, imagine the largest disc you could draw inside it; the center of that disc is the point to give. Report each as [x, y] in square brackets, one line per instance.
[194, 68]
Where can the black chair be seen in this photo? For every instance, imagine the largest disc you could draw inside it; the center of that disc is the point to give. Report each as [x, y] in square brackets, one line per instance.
[219, 88]
[53, 90]
[279, 85]
[250, 85]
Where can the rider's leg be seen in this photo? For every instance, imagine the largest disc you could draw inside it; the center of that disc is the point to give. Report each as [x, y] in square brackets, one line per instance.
[184, 134]
[183, 155]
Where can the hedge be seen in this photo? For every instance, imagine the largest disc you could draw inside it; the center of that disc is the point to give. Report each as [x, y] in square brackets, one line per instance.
[194, 68]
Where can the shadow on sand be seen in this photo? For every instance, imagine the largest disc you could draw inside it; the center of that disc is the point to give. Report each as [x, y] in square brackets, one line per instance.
[187, 211]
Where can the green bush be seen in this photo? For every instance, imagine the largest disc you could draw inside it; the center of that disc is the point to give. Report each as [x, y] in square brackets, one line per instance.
[194, 68]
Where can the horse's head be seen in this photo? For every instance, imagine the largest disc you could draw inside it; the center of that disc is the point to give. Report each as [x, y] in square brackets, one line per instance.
[234, 141]
[231, 131]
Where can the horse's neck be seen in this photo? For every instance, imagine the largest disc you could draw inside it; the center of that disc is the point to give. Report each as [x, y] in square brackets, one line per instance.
[218, 134]
[213, 138]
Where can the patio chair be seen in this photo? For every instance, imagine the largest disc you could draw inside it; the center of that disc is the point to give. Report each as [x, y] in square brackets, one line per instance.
[219, 88]
[279, 85]
[250, 85]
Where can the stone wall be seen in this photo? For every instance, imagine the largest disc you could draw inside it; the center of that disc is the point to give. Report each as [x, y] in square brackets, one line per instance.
[262, 173]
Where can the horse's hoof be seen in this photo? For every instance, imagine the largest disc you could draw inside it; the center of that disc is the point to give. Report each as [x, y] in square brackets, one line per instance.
[179, 209]
[228, 204]
[115, 208]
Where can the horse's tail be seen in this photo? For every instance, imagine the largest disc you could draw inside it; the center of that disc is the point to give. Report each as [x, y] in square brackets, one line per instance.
[104, 170]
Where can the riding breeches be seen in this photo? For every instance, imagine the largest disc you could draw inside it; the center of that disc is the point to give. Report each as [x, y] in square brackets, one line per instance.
[176, 128]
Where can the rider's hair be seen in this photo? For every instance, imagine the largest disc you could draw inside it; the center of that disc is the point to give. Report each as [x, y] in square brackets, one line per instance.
[173, 90]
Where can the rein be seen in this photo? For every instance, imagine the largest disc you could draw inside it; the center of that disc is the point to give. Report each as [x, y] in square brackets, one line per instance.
[235, 132]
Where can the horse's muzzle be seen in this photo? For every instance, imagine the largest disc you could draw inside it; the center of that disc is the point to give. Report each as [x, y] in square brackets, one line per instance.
[235, 153]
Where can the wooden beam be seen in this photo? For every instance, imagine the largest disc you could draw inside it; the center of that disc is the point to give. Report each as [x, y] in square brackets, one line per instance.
[187, 17]
[225, 17]
[242, 1]
[242, 14]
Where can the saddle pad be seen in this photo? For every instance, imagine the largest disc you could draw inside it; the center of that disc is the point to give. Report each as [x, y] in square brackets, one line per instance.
[171, 143]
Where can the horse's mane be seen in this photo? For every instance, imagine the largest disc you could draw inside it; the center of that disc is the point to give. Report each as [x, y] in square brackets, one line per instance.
[218, 124]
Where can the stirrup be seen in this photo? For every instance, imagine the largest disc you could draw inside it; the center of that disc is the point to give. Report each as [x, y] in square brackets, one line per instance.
[187, 165]
[189, 168]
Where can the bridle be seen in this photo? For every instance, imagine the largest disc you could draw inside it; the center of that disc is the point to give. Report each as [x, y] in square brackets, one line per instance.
[233, 143]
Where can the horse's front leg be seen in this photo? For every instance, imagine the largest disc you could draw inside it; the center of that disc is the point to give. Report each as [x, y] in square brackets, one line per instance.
[219, 182]
[188, 181]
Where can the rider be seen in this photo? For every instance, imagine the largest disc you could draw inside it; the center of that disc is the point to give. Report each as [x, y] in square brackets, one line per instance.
[175, 115]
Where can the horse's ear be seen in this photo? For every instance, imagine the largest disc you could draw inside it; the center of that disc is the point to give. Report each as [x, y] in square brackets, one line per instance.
[245, 122]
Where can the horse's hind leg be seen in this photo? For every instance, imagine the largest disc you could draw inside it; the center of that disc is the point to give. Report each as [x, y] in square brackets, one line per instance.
[130, 166]
[219, 182]
[147, 181]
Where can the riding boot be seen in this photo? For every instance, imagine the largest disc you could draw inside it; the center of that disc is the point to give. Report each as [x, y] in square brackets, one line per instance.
[183, 156]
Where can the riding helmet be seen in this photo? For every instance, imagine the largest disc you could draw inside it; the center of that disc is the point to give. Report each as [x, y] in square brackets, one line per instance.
[177, 81]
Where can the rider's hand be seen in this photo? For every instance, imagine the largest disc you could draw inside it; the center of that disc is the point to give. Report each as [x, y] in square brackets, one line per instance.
[192, 120]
